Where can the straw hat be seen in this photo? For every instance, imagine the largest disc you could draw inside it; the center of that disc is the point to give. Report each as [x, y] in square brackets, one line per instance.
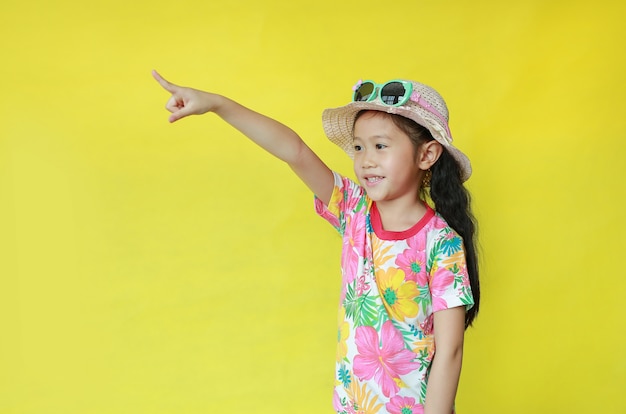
[339, 122]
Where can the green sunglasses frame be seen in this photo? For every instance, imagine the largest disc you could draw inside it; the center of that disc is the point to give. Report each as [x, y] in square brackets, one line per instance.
[408, 96]
[378, 88]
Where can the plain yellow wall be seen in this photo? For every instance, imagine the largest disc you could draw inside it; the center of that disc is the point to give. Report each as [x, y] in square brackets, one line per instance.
[156, 268]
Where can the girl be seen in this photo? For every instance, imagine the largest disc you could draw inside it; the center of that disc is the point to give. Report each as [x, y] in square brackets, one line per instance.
[409, 272]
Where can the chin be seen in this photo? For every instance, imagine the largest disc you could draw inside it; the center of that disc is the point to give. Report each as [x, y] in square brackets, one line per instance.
[373, 195]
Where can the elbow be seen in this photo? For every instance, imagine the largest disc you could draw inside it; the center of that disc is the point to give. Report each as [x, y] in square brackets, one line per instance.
[299, 154]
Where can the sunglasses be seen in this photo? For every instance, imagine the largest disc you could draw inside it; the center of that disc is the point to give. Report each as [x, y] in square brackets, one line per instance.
[393, 93]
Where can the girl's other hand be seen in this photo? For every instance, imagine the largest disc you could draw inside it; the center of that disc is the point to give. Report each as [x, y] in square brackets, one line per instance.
[186, 101]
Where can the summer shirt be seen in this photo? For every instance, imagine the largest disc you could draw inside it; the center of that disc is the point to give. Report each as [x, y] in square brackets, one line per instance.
[392, 283]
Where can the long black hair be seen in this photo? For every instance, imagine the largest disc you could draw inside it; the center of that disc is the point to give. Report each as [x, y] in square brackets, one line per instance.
[450, 199]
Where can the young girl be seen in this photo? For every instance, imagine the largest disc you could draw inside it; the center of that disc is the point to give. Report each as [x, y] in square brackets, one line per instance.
[409, 272]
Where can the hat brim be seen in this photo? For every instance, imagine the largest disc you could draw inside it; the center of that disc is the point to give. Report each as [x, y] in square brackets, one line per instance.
[338, 126]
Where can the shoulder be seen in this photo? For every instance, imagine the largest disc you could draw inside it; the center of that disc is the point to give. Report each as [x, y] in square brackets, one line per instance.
[442, 240]
[438, 227]
[347, 194]
[348, 199]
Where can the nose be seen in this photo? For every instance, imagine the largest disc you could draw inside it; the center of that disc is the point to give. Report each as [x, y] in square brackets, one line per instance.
[367, 159]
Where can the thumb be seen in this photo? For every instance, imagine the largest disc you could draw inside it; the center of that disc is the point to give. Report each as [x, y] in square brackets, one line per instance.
[181, 113]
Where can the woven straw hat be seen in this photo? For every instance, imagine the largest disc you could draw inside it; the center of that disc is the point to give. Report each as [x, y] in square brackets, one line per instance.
[426, 107]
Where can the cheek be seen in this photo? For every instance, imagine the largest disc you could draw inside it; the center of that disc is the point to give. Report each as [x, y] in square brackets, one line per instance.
[356, 161]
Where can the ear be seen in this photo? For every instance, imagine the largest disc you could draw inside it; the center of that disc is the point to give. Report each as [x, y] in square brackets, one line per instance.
[428, 154]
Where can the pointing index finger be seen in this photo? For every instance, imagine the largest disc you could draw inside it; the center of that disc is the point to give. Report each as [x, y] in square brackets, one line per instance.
[170, 87]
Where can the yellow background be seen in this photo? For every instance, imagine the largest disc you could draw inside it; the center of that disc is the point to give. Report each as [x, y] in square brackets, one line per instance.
[156, 268]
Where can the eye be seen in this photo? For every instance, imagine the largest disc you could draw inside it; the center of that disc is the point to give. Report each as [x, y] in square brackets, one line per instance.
[380, 146]
[357, 148]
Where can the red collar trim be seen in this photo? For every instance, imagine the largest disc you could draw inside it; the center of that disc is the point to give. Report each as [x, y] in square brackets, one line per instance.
[377, 225]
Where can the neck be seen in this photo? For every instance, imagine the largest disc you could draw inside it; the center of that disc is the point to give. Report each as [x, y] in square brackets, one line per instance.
[400, 215]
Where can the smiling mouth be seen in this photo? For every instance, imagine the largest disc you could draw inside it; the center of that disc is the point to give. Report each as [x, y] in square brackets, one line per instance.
[373, 180]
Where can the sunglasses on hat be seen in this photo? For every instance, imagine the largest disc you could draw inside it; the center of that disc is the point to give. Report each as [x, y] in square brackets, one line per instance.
[393, 93]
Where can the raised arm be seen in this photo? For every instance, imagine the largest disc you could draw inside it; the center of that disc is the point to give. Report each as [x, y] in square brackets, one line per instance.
[276, 138]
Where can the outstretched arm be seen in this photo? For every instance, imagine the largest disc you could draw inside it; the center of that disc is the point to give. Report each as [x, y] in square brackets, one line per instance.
[271, 135]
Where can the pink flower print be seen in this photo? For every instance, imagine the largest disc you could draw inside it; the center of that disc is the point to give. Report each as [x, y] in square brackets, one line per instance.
[349, 265]
[330, 213]
[427, 325]
[353, 243]
[368, 253]
[440, 283]
[362, 286]
[427, 340]
[384, 364]
[351, 199]
[340, 408]
[404, 405]
[355, 232]
[464, 277]
[337, 402]
[413, 262]
[440, 224]
[417, 243]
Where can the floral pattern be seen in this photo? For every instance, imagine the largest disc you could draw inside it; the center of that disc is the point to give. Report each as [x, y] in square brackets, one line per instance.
[391, 286]
[398, 293]
[385, 363]
[404, 405]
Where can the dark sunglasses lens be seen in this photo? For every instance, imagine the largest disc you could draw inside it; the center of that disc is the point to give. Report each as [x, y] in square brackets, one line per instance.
[392, 93]
[363, 92]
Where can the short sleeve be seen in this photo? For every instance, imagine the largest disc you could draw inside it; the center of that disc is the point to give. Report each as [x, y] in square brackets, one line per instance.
[447, 271]
[347, 197]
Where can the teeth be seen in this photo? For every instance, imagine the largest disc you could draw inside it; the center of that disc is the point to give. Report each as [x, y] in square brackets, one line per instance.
[373, 179]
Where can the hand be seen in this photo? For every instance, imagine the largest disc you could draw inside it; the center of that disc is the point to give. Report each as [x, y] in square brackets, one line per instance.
[186, 101]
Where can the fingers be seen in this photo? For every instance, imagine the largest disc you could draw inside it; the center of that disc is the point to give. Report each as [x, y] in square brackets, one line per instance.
[176, 105]
[184, 101]
[181, 113]
[170, 87]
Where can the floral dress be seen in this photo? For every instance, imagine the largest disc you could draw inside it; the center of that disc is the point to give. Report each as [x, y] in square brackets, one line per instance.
[392, 283]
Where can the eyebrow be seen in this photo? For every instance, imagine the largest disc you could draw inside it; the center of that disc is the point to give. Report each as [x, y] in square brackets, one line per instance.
[373, 137]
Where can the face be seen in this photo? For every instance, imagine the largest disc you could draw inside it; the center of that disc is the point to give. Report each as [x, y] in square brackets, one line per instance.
[385, 159]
